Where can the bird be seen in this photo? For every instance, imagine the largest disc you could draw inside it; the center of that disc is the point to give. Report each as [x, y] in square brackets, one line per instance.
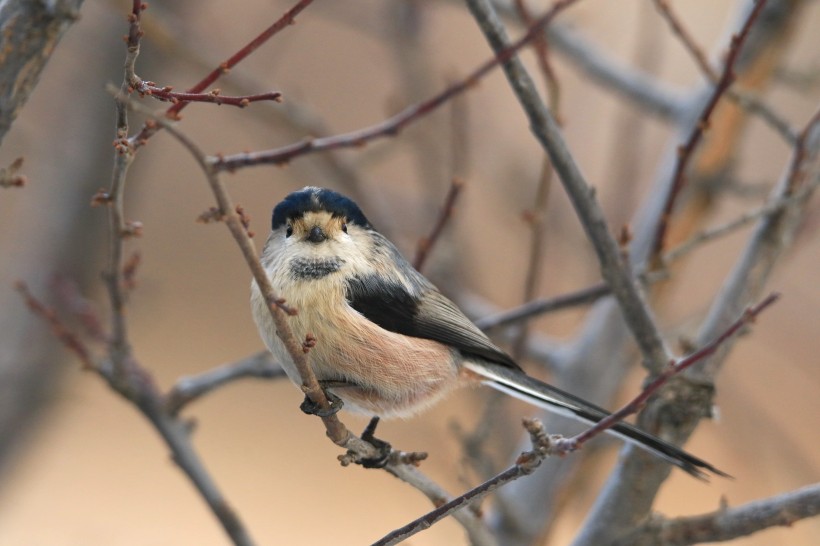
[386, 342]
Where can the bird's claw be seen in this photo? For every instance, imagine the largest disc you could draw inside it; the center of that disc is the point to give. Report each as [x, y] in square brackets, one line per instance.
[384, 449]
[312, 408]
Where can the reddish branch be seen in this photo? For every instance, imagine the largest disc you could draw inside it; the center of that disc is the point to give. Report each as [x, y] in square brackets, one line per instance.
[167, 94]
[69, 340]
[544, 446]
[796, 174]
[393, 125]
[684, 363]
[686, 39]
[687, 149]
[541, 47]
[427, 243]
[287, 19]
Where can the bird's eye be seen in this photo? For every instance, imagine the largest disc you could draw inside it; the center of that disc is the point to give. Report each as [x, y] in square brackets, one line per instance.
[344, 227]
[289, 231]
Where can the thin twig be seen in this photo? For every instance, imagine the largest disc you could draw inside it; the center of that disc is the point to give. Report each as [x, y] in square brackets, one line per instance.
[536, 217]
[215, 97]
[9, 177]
[70, 341]
[731, 523]
[672, 370]
[426, 244]
[686, 150]
[287, 19]
[646, 92]
[614, 269]
[124, 155]
[188, 389]
[733, 225]
[745, 100]
[542, 306]
[526, 464]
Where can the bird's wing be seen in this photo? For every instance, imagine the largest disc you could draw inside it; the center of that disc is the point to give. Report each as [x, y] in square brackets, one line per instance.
[427, 315]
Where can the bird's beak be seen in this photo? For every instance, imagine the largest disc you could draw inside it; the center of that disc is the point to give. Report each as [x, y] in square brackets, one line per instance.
[316, 235]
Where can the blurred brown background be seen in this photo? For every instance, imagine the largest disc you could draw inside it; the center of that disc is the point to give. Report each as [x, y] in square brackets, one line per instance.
[90, 470]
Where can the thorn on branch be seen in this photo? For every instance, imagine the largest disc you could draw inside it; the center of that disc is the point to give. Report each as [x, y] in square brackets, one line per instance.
[132, 229]
[213, 214]
[9, 177]
[102, 197]
[412, 458]
[309, 343]
[122, 146]
[625, 236]
[245, 219]
[129, 271]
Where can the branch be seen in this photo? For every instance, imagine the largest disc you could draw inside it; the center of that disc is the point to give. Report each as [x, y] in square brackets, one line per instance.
[167, 94]
[357, 449]
[526, 464]
[621, 506]
[286, 20]
[639, 88]
[30, 32]
[730, 523]
[393, 125]
[686, 150]
[539, 307]
[772, 207]
[674, 369]
[745, 100]
[9, 177]
[426, 244]
[613, 268]
[544, 446]
[188, 389]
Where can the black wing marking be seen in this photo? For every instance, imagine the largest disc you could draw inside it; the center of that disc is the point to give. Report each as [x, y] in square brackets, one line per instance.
[429, 315]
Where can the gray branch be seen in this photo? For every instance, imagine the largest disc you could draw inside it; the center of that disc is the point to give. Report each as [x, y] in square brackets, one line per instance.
[623, 503]
[614, 270]
[188, 389]
[729, 523]
[30, 32]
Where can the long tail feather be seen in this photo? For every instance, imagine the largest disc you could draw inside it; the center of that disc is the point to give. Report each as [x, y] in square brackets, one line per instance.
[524, 387]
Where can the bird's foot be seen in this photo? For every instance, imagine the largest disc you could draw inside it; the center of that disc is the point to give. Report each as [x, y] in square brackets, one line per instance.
[384, 449]
[311, 408]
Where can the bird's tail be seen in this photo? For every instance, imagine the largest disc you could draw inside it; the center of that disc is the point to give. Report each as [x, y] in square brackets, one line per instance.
[516, 383]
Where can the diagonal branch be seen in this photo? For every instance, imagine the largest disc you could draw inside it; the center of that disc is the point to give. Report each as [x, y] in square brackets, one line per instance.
[188, 389]
[685, 152]
[730, 523]
[395, 124]
[286, 20]
[357, 449]
[613, 267]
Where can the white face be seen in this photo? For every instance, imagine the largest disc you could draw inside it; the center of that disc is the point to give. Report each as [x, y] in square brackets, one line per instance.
[317, 244]
[316, 235]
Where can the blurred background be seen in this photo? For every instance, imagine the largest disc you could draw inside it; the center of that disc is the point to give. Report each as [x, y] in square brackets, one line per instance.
[80, 466]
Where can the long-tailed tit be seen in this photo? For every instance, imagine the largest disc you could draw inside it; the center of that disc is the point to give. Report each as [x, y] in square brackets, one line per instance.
[388, 343]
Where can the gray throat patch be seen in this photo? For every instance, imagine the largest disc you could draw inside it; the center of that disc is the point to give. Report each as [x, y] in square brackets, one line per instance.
[314, 268]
